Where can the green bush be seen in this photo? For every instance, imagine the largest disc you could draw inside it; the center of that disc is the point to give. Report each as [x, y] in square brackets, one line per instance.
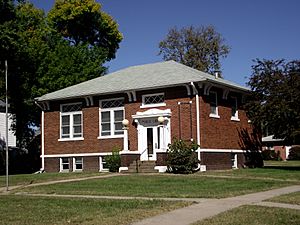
[294, 153]
[113, 161]
[182, 157]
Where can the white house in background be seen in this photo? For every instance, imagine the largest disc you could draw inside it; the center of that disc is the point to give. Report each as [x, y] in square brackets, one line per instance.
[12, 142]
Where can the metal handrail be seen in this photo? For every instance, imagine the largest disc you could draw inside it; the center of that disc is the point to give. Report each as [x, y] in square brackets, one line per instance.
[136, 161]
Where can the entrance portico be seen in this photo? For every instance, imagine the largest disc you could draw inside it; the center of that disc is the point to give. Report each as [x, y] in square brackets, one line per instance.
[154, 134]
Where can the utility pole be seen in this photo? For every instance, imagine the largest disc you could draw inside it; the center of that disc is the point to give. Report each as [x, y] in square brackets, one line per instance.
[6, 115]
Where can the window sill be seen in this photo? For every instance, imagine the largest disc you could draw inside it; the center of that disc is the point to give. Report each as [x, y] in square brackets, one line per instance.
[111, 137]
[214, 116]
[71, 139]
[235, 119]
[152, 105]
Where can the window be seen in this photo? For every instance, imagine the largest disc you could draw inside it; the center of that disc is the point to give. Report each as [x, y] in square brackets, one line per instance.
[111, 117]
[71, 121]
[213, 105]
[234, 109]
[234, 161]
[102, 163]
[153, 100]
[77, 164]
[64, 165]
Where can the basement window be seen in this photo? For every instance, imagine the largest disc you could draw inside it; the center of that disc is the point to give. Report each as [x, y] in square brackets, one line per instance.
[64, 164]
[77, 164]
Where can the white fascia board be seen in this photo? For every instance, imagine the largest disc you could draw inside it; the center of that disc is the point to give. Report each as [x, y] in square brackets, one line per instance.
[77, 155]
[223, 150]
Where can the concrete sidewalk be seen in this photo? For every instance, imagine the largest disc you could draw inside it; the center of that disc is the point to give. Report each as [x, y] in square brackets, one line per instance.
[203, 210]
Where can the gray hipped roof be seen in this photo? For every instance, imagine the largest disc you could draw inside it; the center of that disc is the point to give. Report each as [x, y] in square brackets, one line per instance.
[149, 76]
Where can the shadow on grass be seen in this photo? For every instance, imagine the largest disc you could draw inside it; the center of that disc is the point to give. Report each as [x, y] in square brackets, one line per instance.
[294, 168]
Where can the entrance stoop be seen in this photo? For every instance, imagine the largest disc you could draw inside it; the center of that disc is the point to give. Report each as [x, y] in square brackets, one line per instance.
[142, 167]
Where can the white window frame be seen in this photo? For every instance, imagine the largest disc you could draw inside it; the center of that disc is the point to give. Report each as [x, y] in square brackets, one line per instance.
[152, 105]
[214, 115]
[71, 126]
[101, 162]
[234, 161]
[61, 165]
[112, 119]
[74, 164]
[236, 116]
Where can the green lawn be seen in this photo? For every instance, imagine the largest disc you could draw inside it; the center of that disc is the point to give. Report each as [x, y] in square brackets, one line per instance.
[292, 163]
[25, 179]
[20, 210]
[293, 198]
[160, 186]
[255, 215]
[280, 173]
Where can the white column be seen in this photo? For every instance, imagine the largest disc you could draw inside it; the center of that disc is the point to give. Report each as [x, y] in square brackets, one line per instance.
[125, 140]
[43, 140]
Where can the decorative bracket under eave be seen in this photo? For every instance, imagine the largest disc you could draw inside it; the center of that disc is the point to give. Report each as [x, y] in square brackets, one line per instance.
[44, 105]
[131, 96]
[188, 89]
[207, 88]
[89, 101]
[225, 93]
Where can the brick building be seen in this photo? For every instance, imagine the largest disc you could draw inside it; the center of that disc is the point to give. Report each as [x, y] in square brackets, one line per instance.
[155, 103]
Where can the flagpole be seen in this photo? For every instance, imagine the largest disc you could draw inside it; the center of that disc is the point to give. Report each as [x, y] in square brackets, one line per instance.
[6, 114]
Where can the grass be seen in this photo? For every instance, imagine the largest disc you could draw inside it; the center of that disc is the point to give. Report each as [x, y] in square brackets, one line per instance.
[189, 186]
[281, 173]
[25, 179]
[292, 163]
[19, 210]
[255, 215]
[293, 198]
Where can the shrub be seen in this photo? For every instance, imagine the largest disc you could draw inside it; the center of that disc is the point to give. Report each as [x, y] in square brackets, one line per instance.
[294, 153]
[271, 155]
[182, 157]
[113, 161]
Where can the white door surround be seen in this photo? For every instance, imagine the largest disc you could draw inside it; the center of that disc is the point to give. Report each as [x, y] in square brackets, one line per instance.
[153, 137]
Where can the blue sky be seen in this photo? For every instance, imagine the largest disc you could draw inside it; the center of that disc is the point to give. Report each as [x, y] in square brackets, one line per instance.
[253, 29]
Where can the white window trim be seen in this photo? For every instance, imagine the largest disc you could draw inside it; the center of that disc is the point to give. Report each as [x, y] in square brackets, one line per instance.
[152, 105]
[236, 116]
[74, 164]
[61, 170]
[112, 117]
[101, 169]
[71, 138]
[234, 161]
[215, 115]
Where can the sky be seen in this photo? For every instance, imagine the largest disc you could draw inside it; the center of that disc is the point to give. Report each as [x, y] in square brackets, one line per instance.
[263, 29]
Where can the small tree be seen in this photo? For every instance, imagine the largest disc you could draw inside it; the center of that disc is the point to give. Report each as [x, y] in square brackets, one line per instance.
[182, 157]
[113, 161]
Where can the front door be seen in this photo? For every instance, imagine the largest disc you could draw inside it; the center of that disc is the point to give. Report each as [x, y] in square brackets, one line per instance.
[153, 141]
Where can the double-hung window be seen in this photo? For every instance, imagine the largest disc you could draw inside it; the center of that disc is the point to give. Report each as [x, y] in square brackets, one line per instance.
[153, 100]
[214, 105]
[77, 164]
[64, 164]
[234, 109]
[71, 121]
[111, 117]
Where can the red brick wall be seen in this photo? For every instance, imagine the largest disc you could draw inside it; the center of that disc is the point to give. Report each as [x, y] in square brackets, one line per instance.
[221, 133]
[90, 144]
